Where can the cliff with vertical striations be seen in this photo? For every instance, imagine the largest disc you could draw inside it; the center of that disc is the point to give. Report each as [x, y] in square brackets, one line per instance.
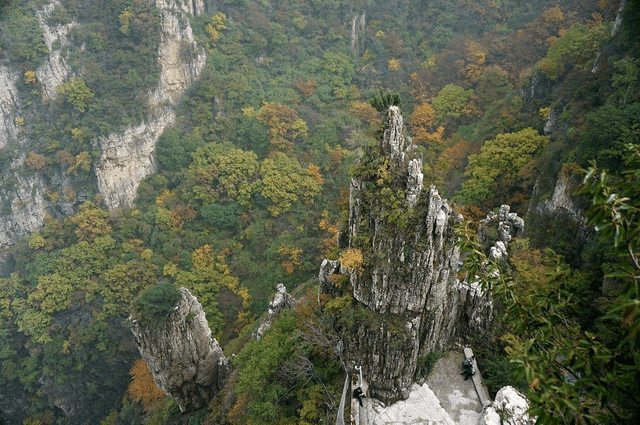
[407, 283]
[128, 155]
[186, 363]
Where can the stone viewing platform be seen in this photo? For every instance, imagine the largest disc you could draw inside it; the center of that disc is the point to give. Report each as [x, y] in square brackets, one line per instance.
[446, 398]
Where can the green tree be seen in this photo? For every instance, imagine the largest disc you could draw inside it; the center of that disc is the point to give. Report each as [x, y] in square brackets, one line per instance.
[222, 173]
[76, 92]
[609, 129]
[337, 72]
[384, 99]
[576, 47]
[156, 303]
[451, 101]
[500, 160]
[284, 377]
[22, 36]
[284, 181]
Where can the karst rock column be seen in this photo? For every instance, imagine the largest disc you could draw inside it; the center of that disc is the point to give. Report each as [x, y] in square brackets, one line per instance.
[186, 363]
[407, 281]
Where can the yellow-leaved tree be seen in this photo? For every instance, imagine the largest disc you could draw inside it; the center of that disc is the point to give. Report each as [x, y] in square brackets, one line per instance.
[142, 387]
[424, 126]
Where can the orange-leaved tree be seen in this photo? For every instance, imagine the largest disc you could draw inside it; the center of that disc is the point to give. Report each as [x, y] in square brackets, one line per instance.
[423, 124]
[142, 387]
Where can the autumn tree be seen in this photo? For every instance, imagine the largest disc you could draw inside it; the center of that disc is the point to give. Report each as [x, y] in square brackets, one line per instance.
[142, 387]
[290, 257]
[82, 161]
[223, 173]
[353, 260]
[215, 27]
[76, 93]
[423, 124]
[35, 161]
[476, 57]
[91, 222]
[365, 112]
[283, 124]
[284, 182]
[306, 88]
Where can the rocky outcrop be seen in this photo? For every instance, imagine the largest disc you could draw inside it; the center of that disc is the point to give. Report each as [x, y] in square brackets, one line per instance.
[24, 200]
[193, 7]
[281, 301]
[496, 231]
[562, 201]
[508, 408]
[9, 103]
[54, 70]
[186, 363]
[408, 280]
[357, 27]
[128, 156]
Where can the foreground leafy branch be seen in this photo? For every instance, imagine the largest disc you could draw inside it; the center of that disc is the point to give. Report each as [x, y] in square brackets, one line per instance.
[573, 376]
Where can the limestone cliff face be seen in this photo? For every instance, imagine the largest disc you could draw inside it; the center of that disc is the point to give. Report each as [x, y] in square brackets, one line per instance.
[9, 103]
[23, 206]
[27, 207]
[408, 279]
[128, 156]
[54, 70]
[22, 202]
[186, 363]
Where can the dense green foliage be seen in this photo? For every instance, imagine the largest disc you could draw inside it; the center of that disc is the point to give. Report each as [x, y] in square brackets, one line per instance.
[499, 163]
[577, 370]
[383, 100]
[156, 303]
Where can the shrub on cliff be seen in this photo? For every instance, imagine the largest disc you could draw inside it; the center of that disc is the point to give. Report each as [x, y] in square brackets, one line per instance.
[156, 303]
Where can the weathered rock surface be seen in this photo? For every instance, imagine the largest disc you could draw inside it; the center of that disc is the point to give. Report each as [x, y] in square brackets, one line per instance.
[281, 301]
[409, 280]
[562, 202]
[128, 156]
[357, 27]
[496, 231]
[186, 363]
[9, 103]
[54, 70]
[508, 408]
[25, 200]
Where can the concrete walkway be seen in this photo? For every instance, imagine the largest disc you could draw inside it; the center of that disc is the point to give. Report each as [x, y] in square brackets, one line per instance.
[445, 399]
[457, 396]
[422, 407]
